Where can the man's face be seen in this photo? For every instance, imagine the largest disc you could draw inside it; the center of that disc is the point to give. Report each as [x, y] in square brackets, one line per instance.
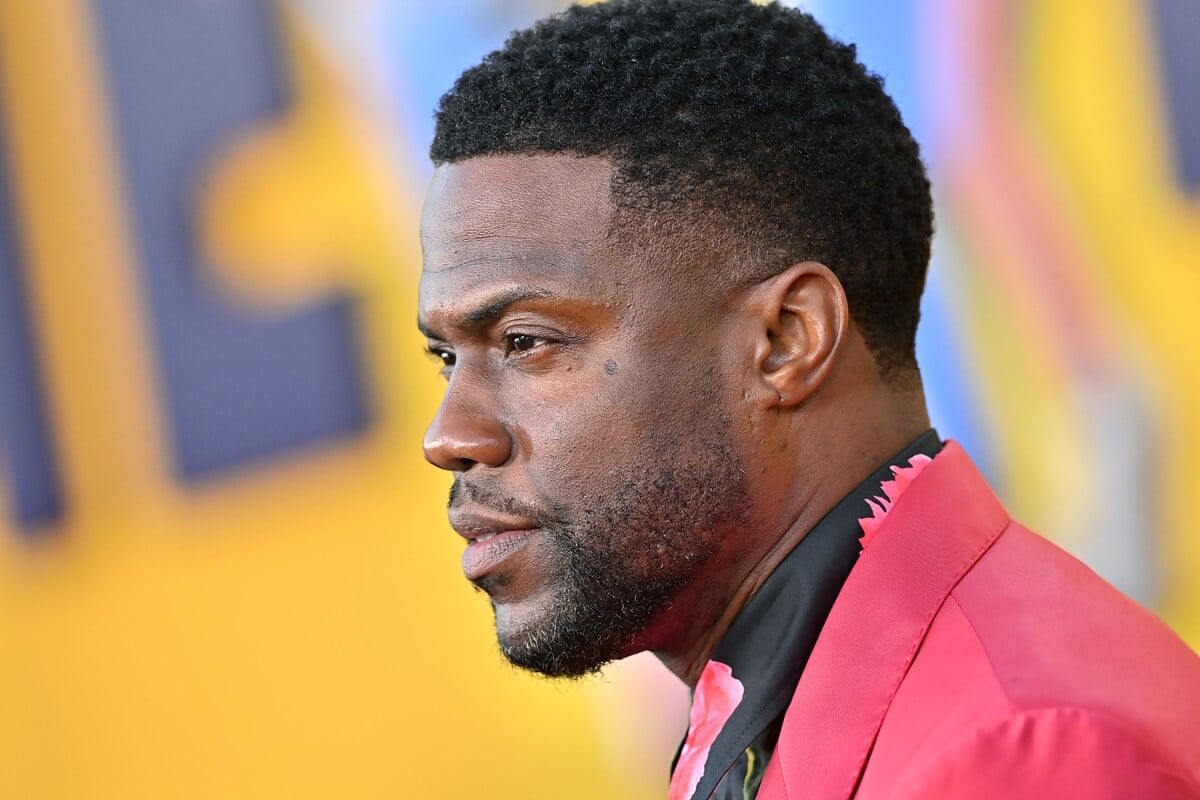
[595, 474]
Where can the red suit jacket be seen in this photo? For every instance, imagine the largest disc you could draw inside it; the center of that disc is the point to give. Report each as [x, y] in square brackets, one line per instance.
[967, 657]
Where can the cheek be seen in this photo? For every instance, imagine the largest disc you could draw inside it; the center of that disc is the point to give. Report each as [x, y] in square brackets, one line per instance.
[586, 430]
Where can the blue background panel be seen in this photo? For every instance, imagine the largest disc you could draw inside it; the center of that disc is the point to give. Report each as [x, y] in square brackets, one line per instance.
[24, 434]
[239, 386]
[1178, 30]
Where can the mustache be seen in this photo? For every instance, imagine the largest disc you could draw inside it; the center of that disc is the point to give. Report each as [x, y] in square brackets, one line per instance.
[496, 501]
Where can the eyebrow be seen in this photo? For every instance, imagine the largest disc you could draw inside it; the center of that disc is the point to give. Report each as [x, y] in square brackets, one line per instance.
[491, 310]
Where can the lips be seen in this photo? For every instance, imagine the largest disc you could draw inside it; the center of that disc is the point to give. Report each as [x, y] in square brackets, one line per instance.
[491, 539]
[487, 552]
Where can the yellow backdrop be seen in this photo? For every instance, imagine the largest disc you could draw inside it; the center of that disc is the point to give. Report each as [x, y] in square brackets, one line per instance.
[298, 626]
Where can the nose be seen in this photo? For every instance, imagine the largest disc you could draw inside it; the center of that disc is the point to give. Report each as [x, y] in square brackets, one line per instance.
[463, 434]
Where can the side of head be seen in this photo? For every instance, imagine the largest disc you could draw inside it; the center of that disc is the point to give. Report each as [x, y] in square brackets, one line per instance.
[738, 131]
[670, 246]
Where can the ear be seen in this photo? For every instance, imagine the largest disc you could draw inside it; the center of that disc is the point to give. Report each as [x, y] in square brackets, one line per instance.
[803, 318]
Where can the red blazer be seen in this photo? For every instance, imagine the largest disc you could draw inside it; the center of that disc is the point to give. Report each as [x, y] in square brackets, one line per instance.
[969, 658]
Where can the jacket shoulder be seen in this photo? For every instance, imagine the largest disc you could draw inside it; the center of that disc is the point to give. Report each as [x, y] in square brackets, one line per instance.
[1055, 633]
[1052, 753]
[1030, 641]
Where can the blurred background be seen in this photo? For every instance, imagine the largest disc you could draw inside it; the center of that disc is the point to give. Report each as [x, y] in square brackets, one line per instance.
[224, 566]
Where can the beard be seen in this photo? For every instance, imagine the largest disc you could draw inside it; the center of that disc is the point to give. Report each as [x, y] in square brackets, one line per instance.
[615, 559]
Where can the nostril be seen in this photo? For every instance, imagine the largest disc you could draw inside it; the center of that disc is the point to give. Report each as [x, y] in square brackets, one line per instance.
[450, 463]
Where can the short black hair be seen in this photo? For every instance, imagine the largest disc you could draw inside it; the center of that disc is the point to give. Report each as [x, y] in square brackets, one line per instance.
[746, 120]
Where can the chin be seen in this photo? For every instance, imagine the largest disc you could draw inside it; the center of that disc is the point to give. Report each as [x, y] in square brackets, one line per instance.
[541, 637]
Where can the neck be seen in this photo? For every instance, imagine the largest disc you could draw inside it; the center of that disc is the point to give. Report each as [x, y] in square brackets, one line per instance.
[837, 461]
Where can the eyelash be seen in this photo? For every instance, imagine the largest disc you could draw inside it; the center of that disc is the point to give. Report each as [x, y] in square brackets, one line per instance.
[511, 346]
[446, 357]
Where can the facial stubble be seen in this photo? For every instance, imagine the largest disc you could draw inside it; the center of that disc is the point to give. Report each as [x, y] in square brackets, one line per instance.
[621, 555]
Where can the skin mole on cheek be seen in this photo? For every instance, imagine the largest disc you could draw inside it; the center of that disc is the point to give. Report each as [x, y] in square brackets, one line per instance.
[611, 367]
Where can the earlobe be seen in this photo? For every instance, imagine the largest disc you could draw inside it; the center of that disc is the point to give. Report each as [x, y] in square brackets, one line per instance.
[805, 318]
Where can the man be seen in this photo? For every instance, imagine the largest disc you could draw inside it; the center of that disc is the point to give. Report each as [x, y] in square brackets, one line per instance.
[674, 253]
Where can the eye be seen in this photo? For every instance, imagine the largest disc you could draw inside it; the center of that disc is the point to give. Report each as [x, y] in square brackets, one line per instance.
[521, 342]
[443, 355]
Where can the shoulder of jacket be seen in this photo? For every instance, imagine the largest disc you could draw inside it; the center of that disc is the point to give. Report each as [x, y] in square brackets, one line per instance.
[1054, 751]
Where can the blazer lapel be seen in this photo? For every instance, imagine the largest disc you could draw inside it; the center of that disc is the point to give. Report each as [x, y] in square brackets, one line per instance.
[937, 530]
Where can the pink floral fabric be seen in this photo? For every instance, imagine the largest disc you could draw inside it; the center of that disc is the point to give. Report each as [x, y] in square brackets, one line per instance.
[881, 506]
[717, 695]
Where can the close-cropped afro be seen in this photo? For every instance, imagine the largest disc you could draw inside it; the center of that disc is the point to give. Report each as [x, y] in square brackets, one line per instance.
[745, 121]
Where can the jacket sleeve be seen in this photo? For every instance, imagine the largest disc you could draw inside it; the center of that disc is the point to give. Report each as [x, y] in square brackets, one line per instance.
[1055, 753]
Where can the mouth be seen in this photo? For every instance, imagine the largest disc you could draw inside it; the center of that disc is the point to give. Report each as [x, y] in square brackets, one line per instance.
[488, 551]
[492, 538]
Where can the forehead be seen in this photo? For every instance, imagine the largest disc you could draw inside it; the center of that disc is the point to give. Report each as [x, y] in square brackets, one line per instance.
[500, 223]
[541, 201]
